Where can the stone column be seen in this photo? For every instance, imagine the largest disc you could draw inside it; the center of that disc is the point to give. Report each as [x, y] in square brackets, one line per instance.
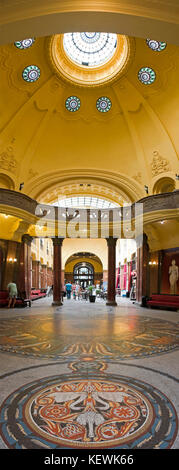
[111, 296]
[142, 270]
[25, 266]
[36, 274]
[57, 271]
[44, 276]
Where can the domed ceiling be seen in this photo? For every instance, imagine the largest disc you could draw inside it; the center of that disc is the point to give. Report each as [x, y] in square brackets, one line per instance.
[103, 122]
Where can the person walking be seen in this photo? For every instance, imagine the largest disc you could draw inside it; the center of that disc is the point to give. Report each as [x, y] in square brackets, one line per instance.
[12, 288]
[68, 290]
[77, 291]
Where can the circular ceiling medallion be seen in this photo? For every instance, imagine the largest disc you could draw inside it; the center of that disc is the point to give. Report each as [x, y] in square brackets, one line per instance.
[31, 73]
[103, 104]
[156, 45]
[65, 412]
[90, 49]
[72, 103]
[90, 58]
[25, 43]
[146, 75]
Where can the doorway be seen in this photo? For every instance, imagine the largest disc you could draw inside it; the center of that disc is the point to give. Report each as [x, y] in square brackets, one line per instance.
[83, 274]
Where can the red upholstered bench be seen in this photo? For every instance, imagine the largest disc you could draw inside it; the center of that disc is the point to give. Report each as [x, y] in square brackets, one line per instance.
[37, 294]
[4, 299]
[164, 301]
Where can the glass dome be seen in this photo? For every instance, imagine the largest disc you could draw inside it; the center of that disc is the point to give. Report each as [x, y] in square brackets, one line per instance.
[90, 49]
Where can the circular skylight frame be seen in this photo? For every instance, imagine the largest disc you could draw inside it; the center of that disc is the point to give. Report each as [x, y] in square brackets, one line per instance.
[31, 73]
[25, 43]
[103, 104]
[90, 49]
[146, 75]
[156, 46]
[91, 76]
[72, 103]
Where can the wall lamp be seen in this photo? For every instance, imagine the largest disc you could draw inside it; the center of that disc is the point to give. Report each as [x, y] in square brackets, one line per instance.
[146, 189]
[12, 260]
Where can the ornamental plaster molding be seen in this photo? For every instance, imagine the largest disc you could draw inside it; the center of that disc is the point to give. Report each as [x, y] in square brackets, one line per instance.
[126, 187]
[159, 164]
[8, 161]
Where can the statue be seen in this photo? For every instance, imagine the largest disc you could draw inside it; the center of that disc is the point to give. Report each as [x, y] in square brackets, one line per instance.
[173, 277]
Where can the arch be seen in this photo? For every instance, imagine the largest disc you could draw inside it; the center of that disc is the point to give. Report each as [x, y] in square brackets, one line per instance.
[46, 18]
[6, 182]
[164, 185]
[81, 257]
[84, 268]
[127, 188]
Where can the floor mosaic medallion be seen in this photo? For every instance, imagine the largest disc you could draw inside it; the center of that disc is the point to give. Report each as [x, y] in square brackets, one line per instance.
[98, 412]
[57, 336]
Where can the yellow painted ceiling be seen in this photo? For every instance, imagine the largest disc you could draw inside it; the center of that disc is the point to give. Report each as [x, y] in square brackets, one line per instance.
[48, 148]
[133, 17]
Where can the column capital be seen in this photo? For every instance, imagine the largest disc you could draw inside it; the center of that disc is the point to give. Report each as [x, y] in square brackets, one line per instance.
[111, 241]
[26, 238]
[57, 241]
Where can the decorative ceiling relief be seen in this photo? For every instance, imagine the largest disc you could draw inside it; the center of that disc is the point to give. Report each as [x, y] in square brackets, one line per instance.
[7, 160]
[138, 177]
[32, 173]
[159, 164]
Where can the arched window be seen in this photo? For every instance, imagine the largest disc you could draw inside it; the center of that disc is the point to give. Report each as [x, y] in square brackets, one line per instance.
[83, 274]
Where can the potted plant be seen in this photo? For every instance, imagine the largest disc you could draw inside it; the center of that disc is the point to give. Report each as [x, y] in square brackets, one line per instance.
[92, 293]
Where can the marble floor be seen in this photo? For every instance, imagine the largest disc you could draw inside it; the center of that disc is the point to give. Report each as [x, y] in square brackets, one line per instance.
[88, 375]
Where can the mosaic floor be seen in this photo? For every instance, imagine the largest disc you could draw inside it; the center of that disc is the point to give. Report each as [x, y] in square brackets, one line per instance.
[120, 338]
[67, 383]
[118, 412]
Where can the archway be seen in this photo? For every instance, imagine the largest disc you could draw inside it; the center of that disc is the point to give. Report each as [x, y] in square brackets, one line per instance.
[84, 268]
[83, 274]
[164, 185]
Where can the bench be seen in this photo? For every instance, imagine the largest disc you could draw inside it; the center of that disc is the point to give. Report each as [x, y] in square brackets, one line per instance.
[20, 301]
[37, 294]
[163, 301]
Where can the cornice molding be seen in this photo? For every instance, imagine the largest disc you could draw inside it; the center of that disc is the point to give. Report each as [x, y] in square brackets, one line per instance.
[19, 18]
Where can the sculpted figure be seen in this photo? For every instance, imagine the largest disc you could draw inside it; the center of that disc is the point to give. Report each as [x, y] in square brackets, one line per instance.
[173, 277]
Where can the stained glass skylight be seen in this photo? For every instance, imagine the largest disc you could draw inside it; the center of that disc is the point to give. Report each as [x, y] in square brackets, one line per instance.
[72, 103]
[103, 104]
[156, 45]
[90, 49]
[84, 202]
[146, 75]
[25, 43]
[31, 73]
